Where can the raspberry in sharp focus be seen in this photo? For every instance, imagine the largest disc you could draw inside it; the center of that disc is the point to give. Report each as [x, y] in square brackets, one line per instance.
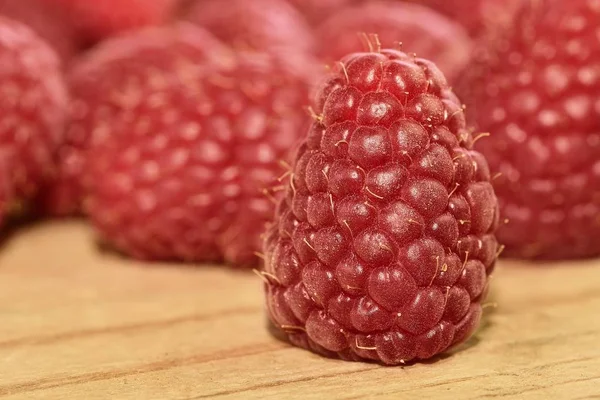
[410, 27]
[195, 157]
[257, 24]
[383, 245]
[104, 81]
[536, 88]
[33, 100]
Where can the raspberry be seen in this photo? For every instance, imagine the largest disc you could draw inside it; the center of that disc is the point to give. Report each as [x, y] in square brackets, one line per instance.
[317, 10]
[46, 21]
[33, 101]
[382, 247]
[475, 15]
[419, 29]
[63, 194]
[536, 88]
[181, 177]
[256, 24]
[98, 19]
[127, 65]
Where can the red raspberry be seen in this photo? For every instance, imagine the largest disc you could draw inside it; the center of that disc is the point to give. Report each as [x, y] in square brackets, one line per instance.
[317, 10]
[537, 90]
[383, 244]
[49, 22]
[98, 19]
[419, 29]
[33, 101]
[182, 175]
[475, 15]
[127, 65]
[256, 24]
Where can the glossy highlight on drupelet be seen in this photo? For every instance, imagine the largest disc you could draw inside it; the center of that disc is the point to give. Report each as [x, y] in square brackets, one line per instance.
[383, 245]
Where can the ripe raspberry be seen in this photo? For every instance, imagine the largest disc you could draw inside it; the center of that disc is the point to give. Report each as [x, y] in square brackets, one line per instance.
[182, 175]
[127, 65]
[47, 21]
[98, 19]
[384, 242]
[256, 24]
[475, 15]
[419, 29]
[537, 90]
[33, 101]
[316, 11]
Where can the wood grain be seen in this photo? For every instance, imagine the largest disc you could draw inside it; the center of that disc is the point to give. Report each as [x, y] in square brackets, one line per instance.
[79, 323]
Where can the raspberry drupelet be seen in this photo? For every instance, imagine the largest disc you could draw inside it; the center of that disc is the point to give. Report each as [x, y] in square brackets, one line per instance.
[383, 245]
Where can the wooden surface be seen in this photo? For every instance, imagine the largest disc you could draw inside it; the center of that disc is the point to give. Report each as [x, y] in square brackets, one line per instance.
[79, 323]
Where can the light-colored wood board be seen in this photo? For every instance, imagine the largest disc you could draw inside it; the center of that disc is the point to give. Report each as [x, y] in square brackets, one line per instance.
[78, 322]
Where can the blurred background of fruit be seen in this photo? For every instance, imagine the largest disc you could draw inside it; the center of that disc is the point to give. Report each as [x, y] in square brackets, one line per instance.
[410, 27]
[535, 86]
[122, 80]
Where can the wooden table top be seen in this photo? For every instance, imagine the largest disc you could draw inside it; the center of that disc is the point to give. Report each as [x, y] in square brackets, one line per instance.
[80, 323]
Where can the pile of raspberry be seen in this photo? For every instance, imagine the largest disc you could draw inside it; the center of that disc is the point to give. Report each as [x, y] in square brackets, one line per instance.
[370, 160]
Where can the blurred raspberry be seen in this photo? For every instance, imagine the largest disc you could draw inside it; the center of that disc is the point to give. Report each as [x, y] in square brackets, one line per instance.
[419, 29]
[536, 89]
[98, 19]
[47, 21]
[105, 81]
[256, 24]
[318, 10]
[382, 247]
[183, 175]
[33, 101]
